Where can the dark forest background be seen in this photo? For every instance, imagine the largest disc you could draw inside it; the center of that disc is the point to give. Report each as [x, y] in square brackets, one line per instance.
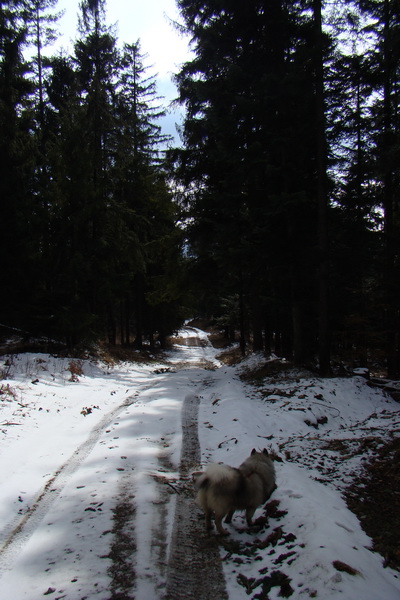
[278, 215]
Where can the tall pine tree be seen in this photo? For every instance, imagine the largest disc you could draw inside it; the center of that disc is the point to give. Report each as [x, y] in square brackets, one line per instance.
[17, 232]
[250, 160]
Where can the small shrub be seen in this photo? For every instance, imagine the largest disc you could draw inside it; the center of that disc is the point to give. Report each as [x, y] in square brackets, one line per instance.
[76, 369]
[5, 371]
[8, 392]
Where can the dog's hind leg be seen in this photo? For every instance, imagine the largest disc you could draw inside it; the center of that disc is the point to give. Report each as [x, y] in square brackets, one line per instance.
[208, 519]
[218, 524]
[249, 515]
[228, 518]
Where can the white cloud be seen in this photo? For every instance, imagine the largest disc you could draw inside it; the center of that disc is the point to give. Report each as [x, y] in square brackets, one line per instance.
[151, 22]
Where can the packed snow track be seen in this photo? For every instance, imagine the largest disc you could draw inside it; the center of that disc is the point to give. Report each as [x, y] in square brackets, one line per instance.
[97, 494]
[103, 522]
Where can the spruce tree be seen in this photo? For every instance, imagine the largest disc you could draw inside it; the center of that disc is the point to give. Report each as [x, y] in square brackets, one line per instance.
[383, 20]
[322, 194]
[43, 32]
[17, 233]
[141, 186]
[249, 158]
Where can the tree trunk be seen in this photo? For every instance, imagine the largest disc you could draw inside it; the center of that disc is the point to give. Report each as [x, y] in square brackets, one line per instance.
[127, 320]
[112, 327]
[257, 323]
[138, 343]
[391, 284]
[121, 324]
[242, 340]
[299, 352]
[268, 337]
[322, 200]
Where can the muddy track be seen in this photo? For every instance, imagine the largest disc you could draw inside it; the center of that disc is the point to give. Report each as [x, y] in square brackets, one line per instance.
[194, 567]
[122, 570]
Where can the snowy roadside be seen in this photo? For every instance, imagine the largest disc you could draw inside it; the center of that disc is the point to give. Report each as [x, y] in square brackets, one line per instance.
[92, 462]
[309, 544]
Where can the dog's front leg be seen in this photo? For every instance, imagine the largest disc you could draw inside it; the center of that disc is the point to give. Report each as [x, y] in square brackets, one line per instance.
[208, 520]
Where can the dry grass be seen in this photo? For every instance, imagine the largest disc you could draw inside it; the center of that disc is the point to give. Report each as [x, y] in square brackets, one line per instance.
[115, 354]
[7, 392]
[230, 357]
[75, 367]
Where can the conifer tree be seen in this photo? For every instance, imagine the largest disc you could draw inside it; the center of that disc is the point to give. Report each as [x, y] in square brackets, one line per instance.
[16, 166]
[141, 187]
[355, 238]
[83, 221]
[383, 19]
[322, 196]
[43, 33]
[249, 156]
[86, 209]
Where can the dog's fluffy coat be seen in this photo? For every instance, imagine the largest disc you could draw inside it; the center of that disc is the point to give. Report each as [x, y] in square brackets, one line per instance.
[223, 489]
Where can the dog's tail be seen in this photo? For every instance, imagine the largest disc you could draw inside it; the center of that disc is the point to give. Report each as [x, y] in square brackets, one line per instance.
[215, 473]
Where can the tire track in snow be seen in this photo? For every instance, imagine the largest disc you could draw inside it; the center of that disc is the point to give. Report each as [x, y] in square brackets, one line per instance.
[194, 567]
[16, 534]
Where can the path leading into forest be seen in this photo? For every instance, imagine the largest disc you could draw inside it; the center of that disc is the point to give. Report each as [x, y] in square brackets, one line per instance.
[194, 568]
[188, 566]
[97, 501]
[116, 519]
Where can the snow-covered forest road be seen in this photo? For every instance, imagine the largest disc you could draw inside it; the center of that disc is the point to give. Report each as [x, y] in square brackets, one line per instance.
[96, 500]
[88, 499]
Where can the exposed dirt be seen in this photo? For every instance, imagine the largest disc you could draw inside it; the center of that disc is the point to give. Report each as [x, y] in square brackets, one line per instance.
[194, 568]
[375, 498]
[122, 570]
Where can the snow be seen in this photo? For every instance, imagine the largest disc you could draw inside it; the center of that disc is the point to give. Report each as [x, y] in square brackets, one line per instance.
[78, 439]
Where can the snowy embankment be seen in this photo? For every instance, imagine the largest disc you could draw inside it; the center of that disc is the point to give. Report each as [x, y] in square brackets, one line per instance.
[81, 441]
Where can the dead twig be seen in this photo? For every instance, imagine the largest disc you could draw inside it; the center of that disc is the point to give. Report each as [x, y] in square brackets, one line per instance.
[227, 441]
[162, 479]
[172, 486]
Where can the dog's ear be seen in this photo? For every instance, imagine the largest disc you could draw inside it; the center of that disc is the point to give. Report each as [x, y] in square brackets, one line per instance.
[265, 451]
[253, 451]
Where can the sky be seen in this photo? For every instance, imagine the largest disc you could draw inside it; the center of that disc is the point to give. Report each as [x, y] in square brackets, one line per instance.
[149, 21]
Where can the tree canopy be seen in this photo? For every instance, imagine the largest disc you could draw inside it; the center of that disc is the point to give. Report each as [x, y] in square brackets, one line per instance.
[278, 215]
[87, 210]
[287, 162]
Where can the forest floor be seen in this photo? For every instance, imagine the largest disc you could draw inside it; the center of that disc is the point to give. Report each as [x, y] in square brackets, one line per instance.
[374, 494]
[374, 497]
[97, 501]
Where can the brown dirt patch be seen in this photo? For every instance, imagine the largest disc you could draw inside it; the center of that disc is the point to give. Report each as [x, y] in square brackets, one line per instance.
[115, 354]
[194, 568]
[230, 357]
[375, 498]
[122, 570]
[276, 371]
[219, 340]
